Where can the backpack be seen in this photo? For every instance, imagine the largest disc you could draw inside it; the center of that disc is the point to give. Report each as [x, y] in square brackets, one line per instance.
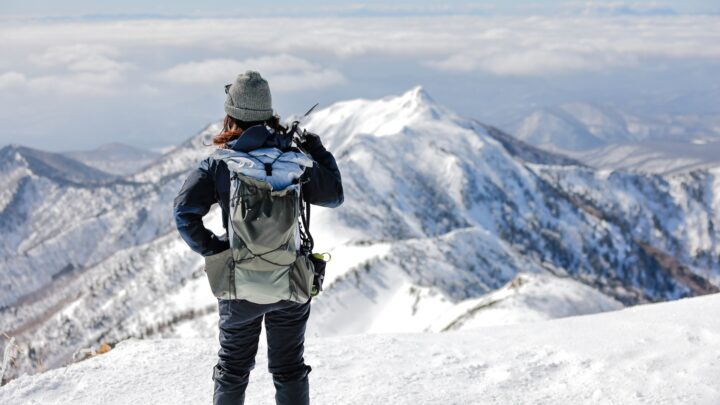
[269, 257]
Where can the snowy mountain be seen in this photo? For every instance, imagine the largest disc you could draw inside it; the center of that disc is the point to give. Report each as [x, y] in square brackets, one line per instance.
[574, 126]
[662, 157]
[59, 217]
[448, 224]
[116, 158]
[54, 166]
[609, 138]
[74, 248]
[659, 353]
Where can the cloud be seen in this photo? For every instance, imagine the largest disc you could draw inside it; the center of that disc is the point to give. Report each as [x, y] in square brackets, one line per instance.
[142, 63]
[284, 72]
[306, 80]
[75, 84]
[78, 69]
[81, 58]
[497, 45]
[207, 71]
[521, 63]
[540, 46]
[9, 80]
[81, 84]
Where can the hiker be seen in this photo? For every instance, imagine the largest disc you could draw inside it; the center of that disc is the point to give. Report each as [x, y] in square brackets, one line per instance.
[251, 282]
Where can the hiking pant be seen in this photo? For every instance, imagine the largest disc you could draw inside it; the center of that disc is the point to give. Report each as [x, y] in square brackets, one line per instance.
[240, 325]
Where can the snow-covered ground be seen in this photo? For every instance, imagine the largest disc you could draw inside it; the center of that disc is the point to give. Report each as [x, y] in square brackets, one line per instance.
[665, 353]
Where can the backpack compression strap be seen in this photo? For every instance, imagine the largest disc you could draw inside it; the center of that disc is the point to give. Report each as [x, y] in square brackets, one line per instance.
[307, 240]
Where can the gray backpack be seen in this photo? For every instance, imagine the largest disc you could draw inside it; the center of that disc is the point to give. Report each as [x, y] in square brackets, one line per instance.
[266, 261]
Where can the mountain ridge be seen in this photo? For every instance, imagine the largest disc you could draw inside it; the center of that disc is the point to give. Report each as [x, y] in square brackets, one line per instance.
[440, 211]
[608, 137]
[55, 166]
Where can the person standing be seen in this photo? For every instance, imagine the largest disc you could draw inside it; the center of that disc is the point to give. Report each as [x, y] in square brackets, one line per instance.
[251, 125]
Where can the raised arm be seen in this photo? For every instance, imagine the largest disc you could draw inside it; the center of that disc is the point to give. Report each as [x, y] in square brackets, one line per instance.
[324, 187]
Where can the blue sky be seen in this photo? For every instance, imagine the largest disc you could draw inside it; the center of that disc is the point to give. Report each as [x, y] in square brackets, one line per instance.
[101, 72]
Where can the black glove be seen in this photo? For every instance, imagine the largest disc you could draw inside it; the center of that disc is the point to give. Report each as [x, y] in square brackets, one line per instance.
[311, 143]
[219, 243]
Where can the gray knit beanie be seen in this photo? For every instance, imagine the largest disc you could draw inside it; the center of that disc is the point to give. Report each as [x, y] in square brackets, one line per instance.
[249, 98]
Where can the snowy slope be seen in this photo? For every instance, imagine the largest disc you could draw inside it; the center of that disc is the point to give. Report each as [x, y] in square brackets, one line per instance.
[526, 298]
[55, 223]
[442, 215]
[433, 174]
[672, 218]
[661, 353]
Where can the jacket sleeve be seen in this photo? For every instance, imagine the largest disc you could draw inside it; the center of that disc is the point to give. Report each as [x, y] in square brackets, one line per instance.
[324, 186]
[193, 201]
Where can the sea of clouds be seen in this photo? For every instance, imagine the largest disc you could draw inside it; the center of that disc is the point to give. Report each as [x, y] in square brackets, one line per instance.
[77, 73]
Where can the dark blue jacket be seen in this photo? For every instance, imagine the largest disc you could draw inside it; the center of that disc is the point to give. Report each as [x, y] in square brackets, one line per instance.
[210, 184]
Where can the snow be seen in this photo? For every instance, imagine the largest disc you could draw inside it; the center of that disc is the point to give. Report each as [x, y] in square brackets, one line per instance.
[654, 156]
[342, 123]
[526, 298]
[659, 353]
[346, 257]
[442, 214]
[606, 137]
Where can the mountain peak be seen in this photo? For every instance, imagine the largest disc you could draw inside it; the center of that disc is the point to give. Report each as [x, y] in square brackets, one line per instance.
[417, 99]
[11, 148]
[380, 117]
[418, 94]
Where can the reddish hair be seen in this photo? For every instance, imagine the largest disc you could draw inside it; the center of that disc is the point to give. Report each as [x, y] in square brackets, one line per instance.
[229, 132]
[233, 129]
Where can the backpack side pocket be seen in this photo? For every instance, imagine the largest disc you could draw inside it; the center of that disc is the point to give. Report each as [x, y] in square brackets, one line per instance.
[220, 272]
[301, 279]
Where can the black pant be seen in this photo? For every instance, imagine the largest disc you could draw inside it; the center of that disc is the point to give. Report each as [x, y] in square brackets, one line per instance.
[240, 325]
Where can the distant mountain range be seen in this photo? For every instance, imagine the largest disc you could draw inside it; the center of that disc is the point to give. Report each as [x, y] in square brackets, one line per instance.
[115, 158]
[606, 137]
[447, 224]
[55, 166]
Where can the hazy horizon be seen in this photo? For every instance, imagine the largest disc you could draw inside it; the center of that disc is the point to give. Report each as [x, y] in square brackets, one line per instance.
[79, 75]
